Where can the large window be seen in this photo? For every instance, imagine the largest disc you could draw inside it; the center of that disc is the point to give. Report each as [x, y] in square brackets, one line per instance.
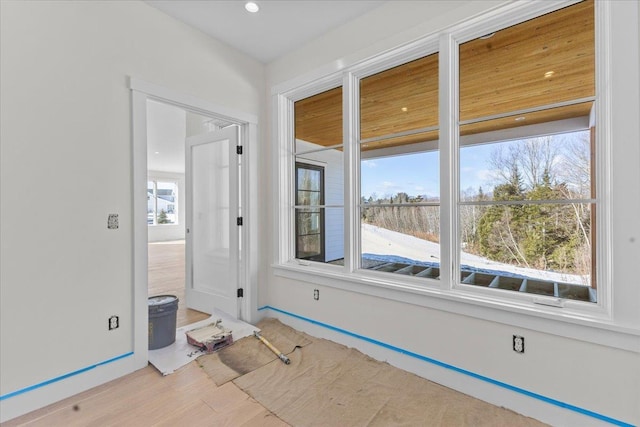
[527, 200]
[491, 193]
[162, 202]
[399, 170]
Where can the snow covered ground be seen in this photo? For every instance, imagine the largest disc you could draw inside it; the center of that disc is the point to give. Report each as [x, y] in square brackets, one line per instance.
[386, 244]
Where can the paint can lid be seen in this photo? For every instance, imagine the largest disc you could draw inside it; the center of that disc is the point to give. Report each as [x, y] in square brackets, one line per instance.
[162, 300]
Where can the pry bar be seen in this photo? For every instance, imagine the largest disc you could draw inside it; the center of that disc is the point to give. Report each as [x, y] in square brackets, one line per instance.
[271, 347]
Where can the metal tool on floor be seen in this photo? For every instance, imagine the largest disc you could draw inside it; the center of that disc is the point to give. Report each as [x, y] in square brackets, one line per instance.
[281, 355]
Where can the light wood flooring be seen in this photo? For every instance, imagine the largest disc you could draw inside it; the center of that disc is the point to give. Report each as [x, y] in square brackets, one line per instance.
[167, 277]
[146, 398]
[188, 397]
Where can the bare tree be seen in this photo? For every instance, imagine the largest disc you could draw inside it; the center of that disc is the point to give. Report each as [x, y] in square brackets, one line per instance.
[534, 157]
[575, 163]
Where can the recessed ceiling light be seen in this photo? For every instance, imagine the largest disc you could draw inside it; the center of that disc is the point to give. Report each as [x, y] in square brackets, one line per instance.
[405, 109]
[519, 119]
[157, 152]
[251, 6]
[549, 74]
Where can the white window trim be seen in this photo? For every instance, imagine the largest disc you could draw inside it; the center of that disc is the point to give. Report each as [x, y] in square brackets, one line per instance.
[517, 310]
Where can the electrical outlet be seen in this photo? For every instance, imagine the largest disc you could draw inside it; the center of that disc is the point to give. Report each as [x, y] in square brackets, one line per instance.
[316, 294]
[114, 322]
[518, 344]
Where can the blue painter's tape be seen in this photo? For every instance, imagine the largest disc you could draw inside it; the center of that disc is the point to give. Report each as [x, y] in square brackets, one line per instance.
[62, 377]
[456, 369]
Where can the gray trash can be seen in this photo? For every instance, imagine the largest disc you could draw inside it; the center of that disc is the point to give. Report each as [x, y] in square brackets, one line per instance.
[162, 321]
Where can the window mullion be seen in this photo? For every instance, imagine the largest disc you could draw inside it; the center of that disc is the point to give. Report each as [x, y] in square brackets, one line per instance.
[285, 215]
[351, 132]
[603, 174]
[449, 141]
[155, 202]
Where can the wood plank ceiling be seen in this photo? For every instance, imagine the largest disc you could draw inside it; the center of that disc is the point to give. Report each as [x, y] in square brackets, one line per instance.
[543, 61]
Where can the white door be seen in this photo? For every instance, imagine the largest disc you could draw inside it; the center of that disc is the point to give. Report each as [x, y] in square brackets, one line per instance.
[212, 250]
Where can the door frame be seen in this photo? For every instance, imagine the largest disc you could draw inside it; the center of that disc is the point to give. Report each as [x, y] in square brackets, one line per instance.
[141, 91]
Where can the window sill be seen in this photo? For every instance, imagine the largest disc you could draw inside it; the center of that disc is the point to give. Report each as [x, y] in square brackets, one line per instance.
[580, 322]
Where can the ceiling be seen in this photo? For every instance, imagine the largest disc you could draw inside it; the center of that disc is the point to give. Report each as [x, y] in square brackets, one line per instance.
[167, 128]
[543, 61]
[280, 26]
[499, 74]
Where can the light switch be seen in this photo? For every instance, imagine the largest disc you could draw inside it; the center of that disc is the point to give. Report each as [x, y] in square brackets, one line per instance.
[112, 222]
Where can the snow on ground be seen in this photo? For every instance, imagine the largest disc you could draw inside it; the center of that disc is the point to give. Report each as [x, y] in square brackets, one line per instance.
[383, 243]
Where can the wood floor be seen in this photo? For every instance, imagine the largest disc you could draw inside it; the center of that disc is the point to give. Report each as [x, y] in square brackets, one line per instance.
[189, 397]
[146, 398]
[167, 277]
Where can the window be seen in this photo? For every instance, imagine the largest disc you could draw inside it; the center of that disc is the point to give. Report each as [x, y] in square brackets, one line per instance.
[527, 201]
[399, 170]
[492, 195]
[162, 202]
[319, 178]
[310, 234]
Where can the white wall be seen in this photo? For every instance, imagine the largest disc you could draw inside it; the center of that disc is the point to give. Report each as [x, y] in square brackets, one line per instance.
[595, 368]
[66, 119]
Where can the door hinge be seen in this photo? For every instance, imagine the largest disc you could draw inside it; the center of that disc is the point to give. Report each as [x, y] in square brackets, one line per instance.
[238, 149]
[240, 292]
[239, 220]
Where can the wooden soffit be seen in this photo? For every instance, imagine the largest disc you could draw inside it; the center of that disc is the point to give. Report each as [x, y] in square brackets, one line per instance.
[540, 62]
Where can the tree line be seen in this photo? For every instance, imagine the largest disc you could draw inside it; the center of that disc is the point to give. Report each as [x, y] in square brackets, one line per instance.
[528, 232]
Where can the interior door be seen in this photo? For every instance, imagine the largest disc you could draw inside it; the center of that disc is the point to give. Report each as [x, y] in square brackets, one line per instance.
[212, 250]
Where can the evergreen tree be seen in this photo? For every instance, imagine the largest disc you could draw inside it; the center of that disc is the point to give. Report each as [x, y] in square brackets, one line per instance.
[481, 195]
[500, 228]
[162, 218]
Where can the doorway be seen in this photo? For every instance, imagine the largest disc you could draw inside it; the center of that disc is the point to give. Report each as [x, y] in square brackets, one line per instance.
[168, 127]
[211, 118]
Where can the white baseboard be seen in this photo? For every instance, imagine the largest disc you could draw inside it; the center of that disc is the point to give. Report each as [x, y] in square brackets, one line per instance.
[526, 403]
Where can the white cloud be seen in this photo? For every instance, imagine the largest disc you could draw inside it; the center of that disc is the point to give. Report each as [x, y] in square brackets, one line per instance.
[369, 163]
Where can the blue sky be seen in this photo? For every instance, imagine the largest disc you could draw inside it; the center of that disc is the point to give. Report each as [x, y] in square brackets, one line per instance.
[419, 173]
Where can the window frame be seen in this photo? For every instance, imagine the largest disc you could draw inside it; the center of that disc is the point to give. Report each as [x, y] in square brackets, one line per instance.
[351, 93]
[444, 294]
[450, 123]
[403, 55]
